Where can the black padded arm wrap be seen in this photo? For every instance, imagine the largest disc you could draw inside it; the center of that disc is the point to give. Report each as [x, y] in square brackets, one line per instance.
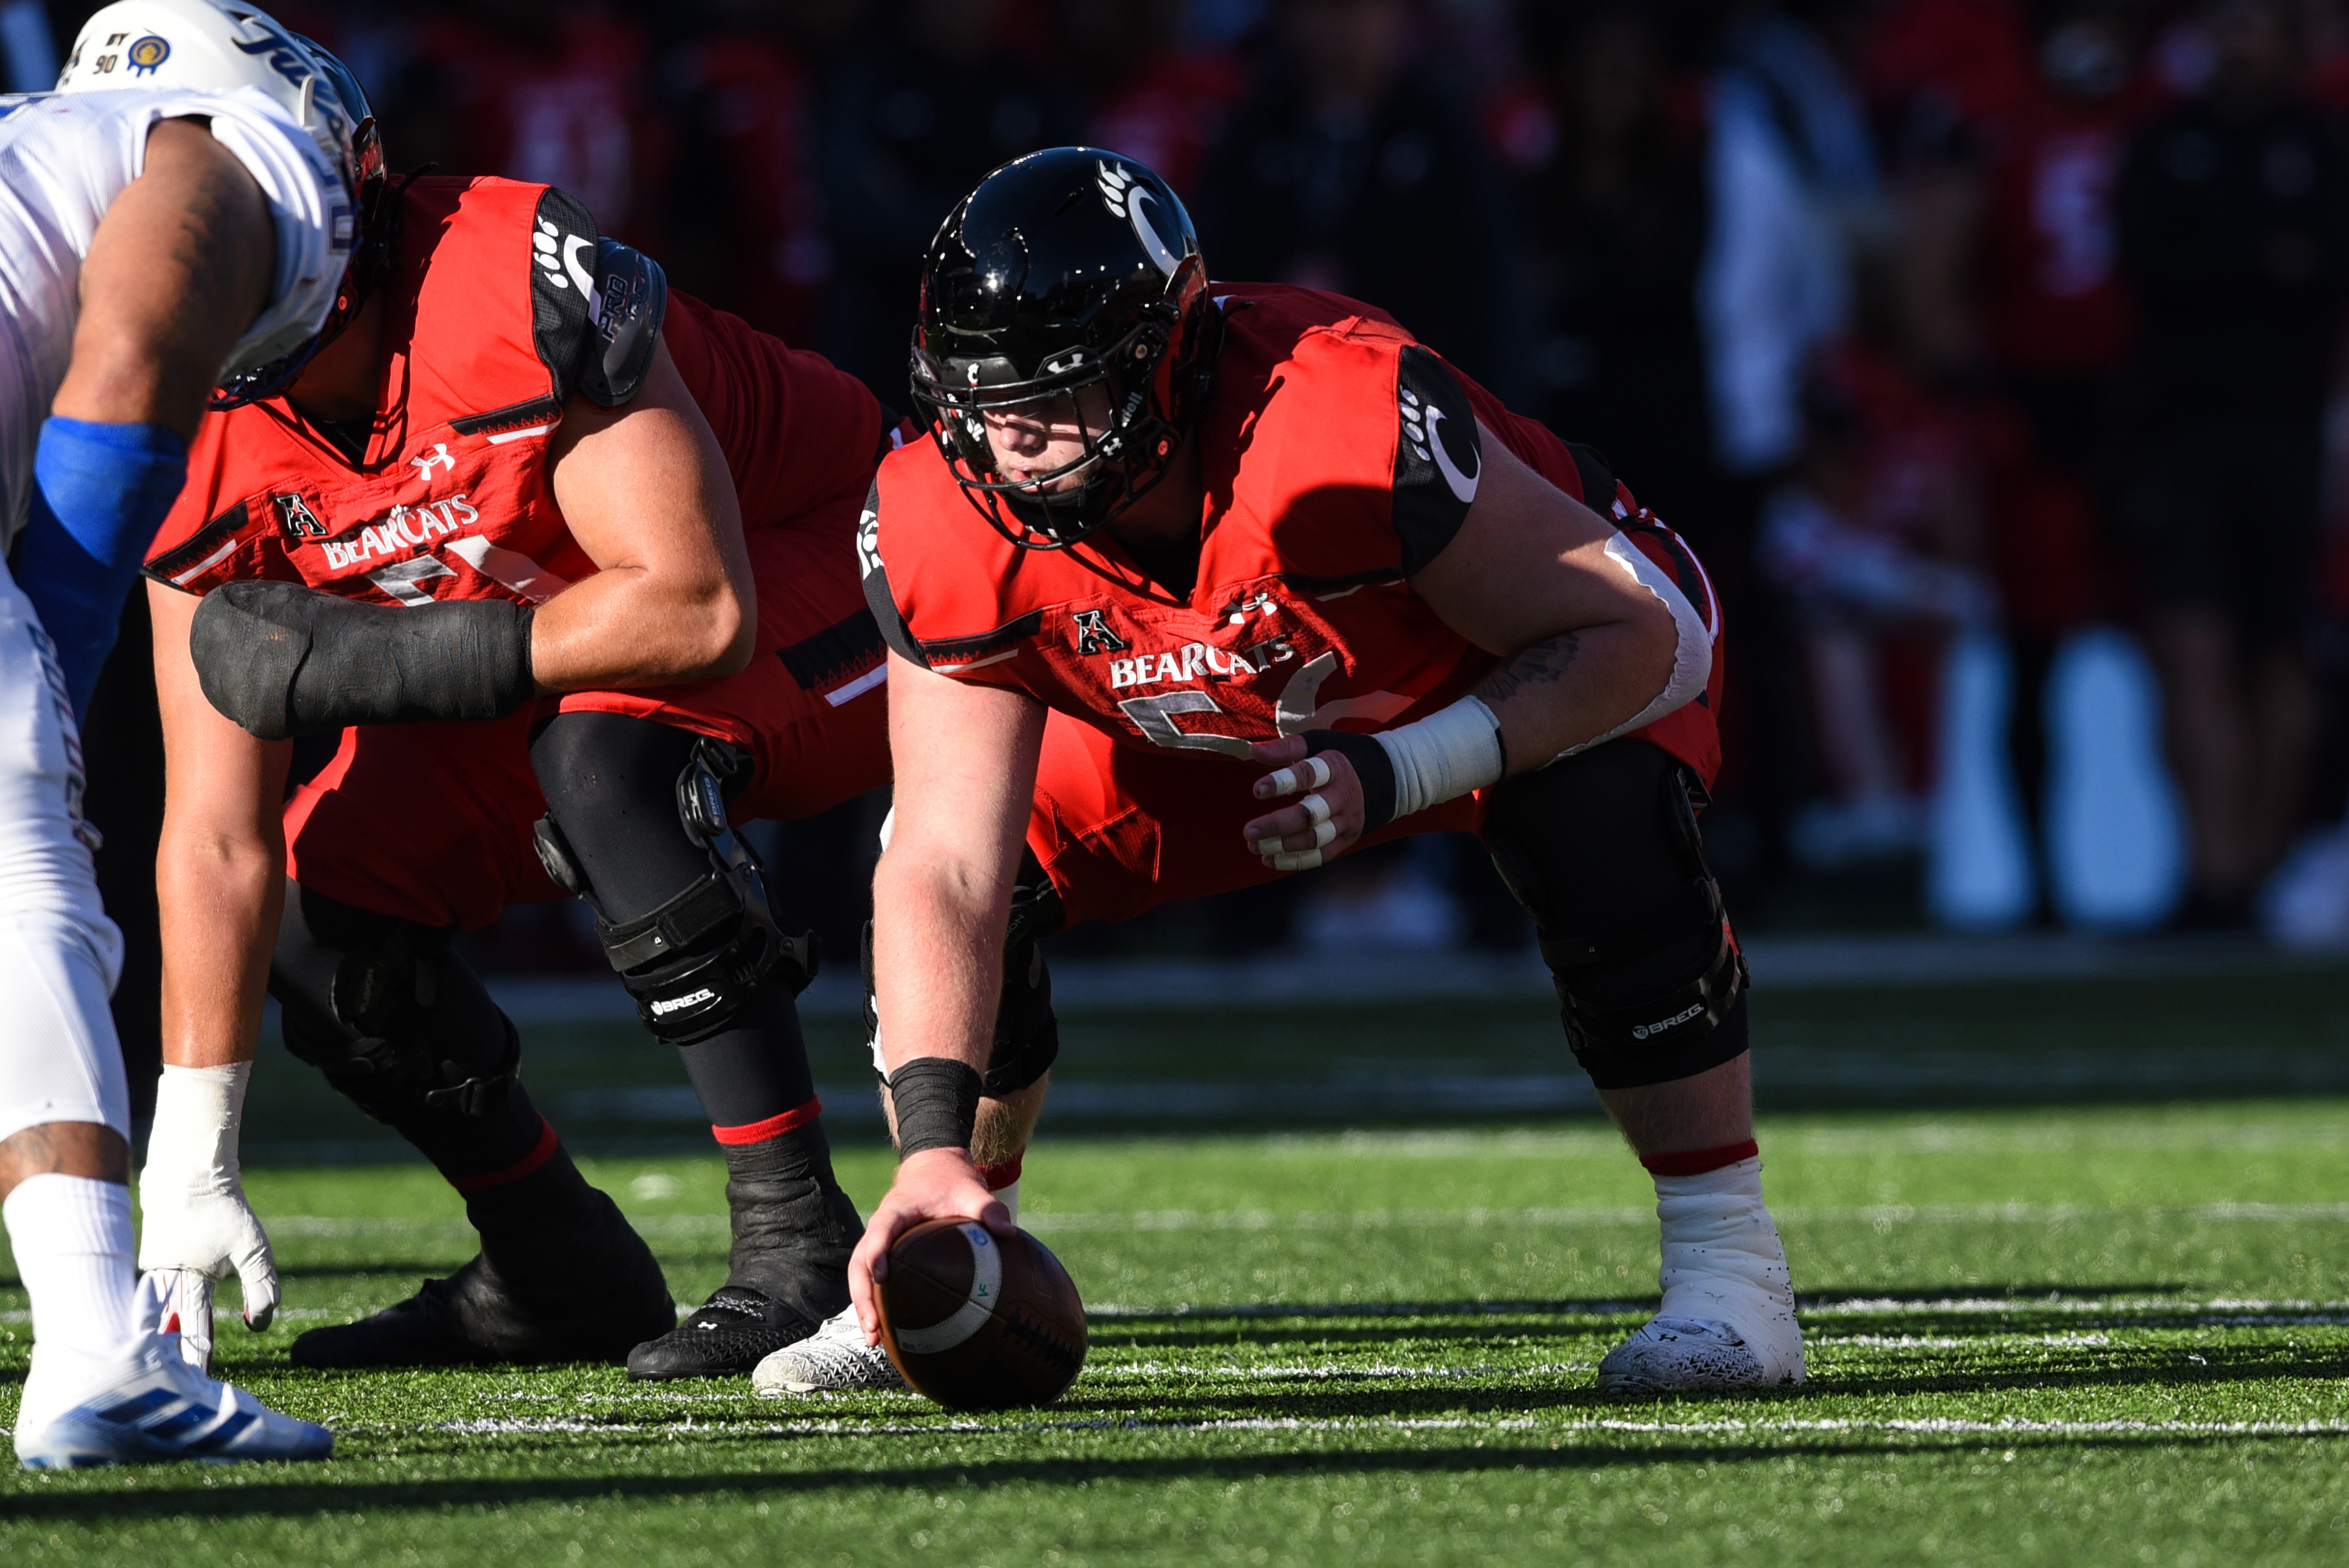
[283, 659]
[1371, 766]
[937, 1102]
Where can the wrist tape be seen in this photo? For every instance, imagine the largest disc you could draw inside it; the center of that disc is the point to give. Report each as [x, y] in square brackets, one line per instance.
[937, 1102]
[1425, 763]
[285, 660]
[197, 1113]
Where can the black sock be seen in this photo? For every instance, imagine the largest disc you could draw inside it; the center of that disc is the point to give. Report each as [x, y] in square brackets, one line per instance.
[793, 1227]
[753, 1078]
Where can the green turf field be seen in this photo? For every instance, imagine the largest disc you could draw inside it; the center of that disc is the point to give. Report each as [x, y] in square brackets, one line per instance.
[2057, 1335]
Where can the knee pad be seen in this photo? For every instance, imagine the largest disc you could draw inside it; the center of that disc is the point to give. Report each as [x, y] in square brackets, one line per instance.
[695, 960]
[1603, 848]
[1027, 1040]
[378, 1005]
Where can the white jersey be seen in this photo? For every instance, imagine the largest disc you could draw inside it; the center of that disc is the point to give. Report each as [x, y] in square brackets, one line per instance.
[64, 158]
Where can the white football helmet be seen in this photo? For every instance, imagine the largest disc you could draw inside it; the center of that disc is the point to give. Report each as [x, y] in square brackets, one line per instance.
[221, 45]
[211, 45]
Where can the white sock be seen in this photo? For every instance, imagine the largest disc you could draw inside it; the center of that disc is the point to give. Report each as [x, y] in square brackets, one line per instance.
[1722, 1260]
[71, 1235]
[1010, 1198]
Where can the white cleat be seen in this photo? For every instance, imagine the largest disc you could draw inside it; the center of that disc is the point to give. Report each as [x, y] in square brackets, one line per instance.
[1727, 1320]
[153, 1407]
[1697, 1355]
[834, 1359]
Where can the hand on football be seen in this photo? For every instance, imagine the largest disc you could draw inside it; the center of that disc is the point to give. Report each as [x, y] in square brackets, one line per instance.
[935, 1184]
[1323, 825]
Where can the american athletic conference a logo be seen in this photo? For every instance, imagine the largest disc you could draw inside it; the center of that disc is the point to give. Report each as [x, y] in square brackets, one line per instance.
[1094, 635]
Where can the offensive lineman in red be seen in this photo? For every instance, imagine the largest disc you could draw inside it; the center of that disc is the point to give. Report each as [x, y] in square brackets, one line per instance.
[568, 561]
[1196, 585]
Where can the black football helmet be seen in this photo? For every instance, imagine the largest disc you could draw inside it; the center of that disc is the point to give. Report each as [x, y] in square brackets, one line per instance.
[1064, 271]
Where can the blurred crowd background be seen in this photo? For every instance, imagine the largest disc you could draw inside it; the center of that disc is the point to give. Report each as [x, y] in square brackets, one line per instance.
[1990, 352]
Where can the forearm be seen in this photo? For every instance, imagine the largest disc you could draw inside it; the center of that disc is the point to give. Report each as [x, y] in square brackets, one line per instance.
[628, 628]
[1567, 690]
[221, 897]
[937, 956]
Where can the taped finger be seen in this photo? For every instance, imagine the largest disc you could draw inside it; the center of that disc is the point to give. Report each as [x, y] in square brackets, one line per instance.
[1303, 860]
[1317, 810]
[1313, 773]
[1268, 845]
[1324, 835]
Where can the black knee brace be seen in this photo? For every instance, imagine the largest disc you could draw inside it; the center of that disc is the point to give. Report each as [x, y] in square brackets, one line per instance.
[692, 961]
[1027, 1031]
[380, 1005]
[1603, 847]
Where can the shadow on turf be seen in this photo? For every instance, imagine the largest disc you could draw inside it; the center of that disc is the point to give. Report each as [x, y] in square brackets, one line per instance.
[273, 1499]
[1325, 1321]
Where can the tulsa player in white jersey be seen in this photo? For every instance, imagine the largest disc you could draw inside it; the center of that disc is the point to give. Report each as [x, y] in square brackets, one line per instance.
[181, 213]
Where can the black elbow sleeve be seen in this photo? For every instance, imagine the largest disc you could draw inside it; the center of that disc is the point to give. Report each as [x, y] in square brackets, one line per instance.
[283, 659]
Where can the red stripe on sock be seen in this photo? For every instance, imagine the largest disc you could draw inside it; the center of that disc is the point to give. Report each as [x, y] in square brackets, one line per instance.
[1697, 1161]
[547, 1144]
[1002, 1174]
[774, 1127]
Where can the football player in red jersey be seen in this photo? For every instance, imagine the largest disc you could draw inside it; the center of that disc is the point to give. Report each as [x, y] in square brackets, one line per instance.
[567, 560]
[1199, 583]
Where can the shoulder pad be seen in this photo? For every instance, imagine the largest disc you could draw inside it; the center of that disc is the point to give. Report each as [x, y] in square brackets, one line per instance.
[1439, 456]
[878, 598]
[597, 306]
[563, 253]
[631, 299]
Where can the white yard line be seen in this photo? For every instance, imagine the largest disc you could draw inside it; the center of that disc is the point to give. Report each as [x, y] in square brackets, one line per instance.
[2004, 1426]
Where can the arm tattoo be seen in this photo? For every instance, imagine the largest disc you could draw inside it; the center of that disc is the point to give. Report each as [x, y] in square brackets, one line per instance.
[1542, 663]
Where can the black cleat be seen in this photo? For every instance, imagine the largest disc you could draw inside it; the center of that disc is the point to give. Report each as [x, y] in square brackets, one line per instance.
[472, 1318]
[731, 1332]
[786, 1272]
[561, 1278]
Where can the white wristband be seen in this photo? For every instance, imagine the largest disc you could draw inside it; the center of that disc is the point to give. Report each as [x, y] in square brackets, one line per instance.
[1444, 755]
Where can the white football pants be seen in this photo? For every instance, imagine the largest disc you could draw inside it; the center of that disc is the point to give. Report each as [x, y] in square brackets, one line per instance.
[59, 954]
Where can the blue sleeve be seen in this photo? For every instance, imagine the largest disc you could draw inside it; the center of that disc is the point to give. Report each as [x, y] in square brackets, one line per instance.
[100, 492]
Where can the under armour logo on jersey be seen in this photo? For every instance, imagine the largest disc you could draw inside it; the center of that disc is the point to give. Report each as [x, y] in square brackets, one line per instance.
[437, 458]
[1094, 635]
[295, 518]
[1128, 198]
[558, 253]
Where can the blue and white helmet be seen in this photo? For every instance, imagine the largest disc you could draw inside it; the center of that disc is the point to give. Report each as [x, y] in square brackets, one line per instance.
[209, 46]
[219, 46]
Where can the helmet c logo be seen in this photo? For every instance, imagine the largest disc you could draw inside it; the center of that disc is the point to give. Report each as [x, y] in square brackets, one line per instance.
[1125, 195]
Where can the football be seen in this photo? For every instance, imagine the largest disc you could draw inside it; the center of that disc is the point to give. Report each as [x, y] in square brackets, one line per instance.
[980, 1322]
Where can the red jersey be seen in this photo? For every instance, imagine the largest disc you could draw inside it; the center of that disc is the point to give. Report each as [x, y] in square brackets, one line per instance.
[486, 331]
[1339, 456]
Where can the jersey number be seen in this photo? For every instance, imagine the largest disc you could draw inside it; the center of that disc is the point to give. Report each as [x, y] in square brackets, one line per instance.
[1154, 717]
